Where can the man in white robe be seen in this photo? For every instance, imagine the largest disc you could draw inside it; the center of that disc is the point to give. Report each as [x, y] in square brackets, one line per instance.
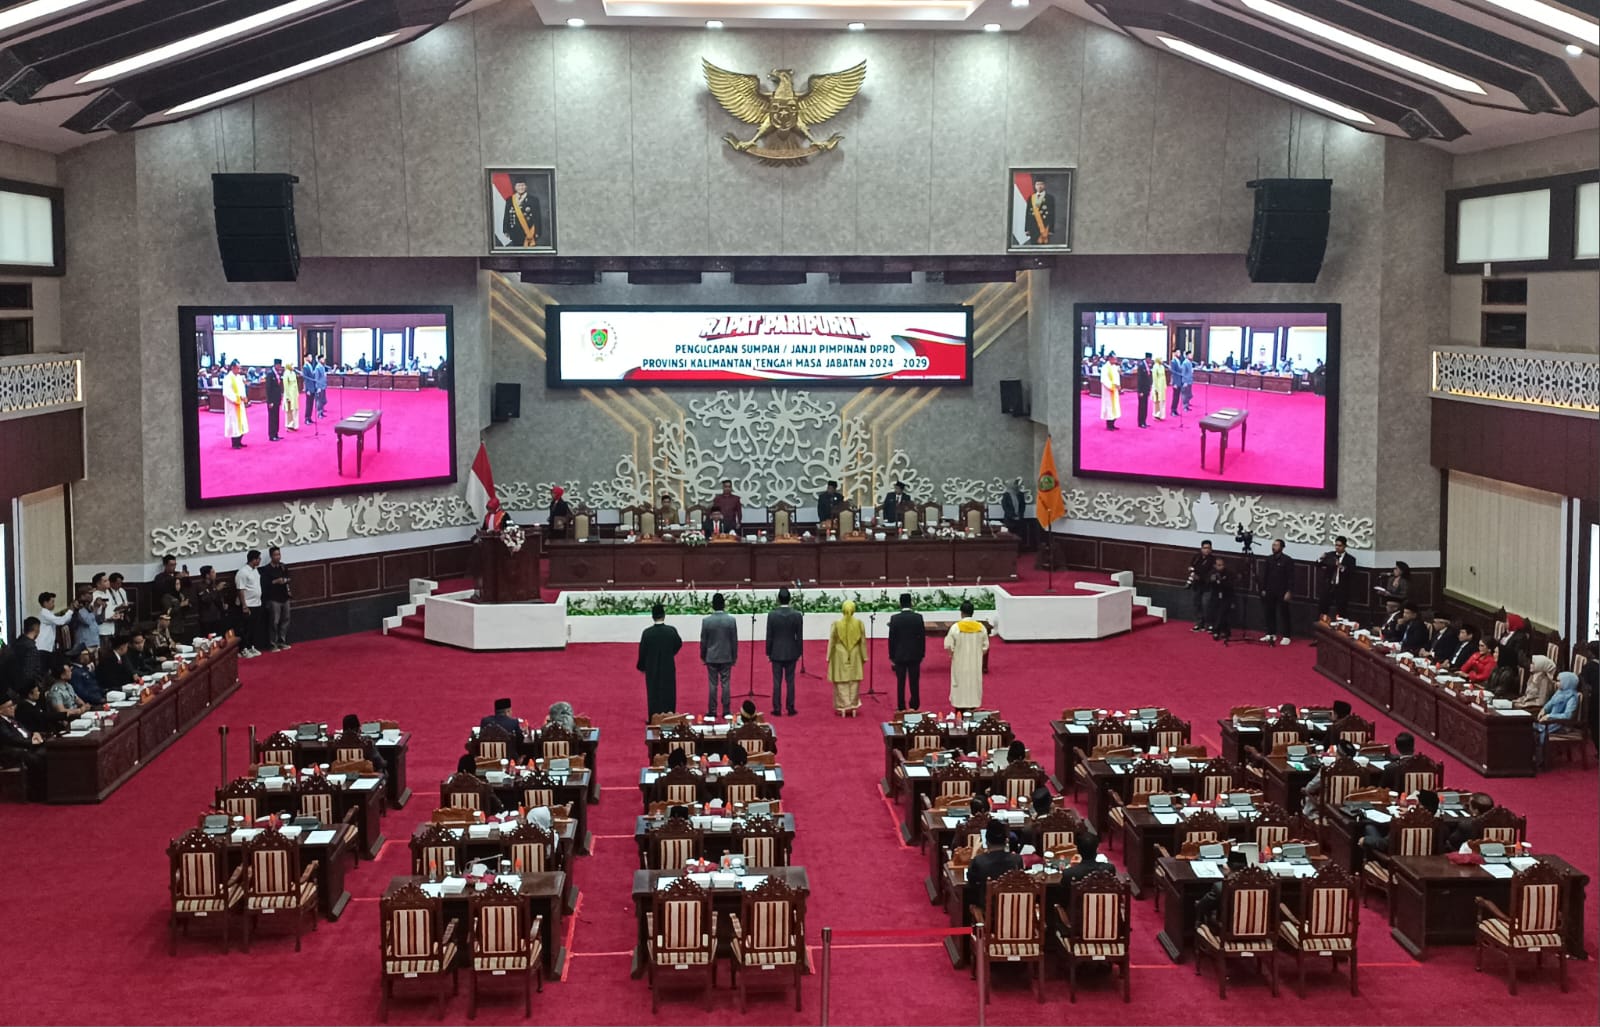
[1110, 391]
[966, 643]
[235, 398]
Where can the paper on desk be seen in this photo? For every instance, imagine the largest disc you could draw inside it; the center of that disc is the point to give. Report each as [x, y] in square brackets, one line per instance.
[1119, 768]
[512, 881]
[651, 775]
[477, 830]
[1077, 729]
[916, 771]
[244, 834]
[75, 734]
[432, 889]
[771, 774]
[951, 823]
[364, 784]
[1206, 869]
[1377, 816]
[322, 837]
[1166, 818]
[1514, 713]
[703, 880]
[1522, 862]
[1303, 869]
[1180, 765]
[1010, 816]
[1500, 870]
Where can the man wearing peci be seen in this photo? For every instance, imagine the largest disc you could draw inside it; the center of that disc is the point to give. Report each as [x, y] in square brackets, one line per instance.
[1277, 589]
[1145, 382]
[1338, 568]
[1041, 220]
[1110, 391]
[520, 224]
[274, 399]
[784, 641]
[719, 651]
[908, 645]
[658, 652]
[828, 502]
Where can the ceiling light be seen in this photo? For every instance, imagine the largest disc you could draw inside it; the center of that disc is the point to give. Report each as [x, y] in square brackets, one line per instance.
[1574, 50]
[575, 23]
[857, 26]
[282, 74]
[1265, 81]
[713, 24]
[1553, 17]
[991, 27]
[1365, 47]
[36, 10]
[1019, 3]
[201, 41]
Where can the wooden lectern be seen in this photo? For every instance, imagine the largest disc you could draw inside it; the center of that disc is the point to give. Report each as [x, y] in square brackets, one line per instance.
[504, 576]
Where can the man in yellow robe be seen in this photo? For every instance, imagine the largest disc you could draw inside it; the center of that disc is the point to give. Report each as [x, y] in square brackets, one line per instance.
[291, 398]
[1110, 391]
[966, 642]
[1158, 390]
[235, 398]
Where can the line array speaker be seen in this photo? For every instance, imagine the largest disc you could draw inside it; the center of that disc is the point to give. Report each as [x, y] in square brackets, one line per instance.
[255, 227]
[1290, 233]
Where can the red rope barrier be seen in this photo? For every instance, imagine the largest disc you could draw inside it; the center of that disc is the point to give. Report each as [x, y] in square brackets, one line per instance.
[946, 932]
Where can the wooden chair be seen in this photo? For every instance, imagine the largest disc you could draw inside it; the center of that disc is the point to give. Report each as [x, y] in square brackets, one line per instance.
[679, 785]
[681, 940]
[847, 518]
[504, 941]
[637, 519]
[1571, 733]
[467, 791]
[696, 514]
[760, 840]
[1057, 829]
[673, 843]
[1215, 777]
[951, 782]
[1501, 825]
[436, 847]
[275, 882]
[990, 733]
[1280, 734]
[353, 746]
[243, 797]
[582, 523]
[1168, 732]
[1339, 779]
[1534, 927]
[769, 938]
[416, 945]
[1202, 828]
[755, 738]
[1019, 781]
[680, 737]
[557, 743]
[739, 787]
[972, 516]
[530, 849]
[201, 885]
[1246, 927]
[1100, 932]
[1351, 729]
[316, 799]
[1273, 826]
[538, 789]
[492, 743]
[932, 515]
[1326, 924]
[910, 521]
[968, 840]
[781, 515]
[1101, 735]
[1014, 916]
[1415, 832]
[1419, 773]
[277, 750]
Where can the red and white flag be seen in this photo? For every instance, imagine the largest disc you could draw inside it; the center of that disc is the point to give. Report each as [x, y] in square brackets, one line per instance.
[480, 483]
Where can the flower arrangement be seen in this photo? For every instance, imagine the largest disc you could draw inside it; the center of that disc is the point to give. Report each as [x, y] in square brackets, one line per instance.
[946, 531]
[513, 536]
[693, 538]
[739, 603]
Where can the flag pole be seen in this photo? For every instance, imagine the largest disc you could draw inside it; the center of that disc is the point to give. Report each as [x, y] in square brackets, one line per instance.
[1050, 562]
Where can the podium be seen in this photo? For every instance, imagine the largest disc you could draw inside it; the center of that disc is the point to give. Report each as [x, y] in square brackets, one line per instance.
[503, 576]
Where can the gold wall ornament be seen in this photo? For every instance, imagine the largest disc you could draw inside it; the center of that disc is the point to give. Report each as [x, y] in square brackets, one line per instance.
[784, 114]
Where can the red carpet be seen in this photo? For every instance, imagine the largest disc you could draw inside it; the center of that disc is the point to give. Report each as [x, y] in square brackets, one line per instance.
[416, 445]
[1284, 438]
[86, 894]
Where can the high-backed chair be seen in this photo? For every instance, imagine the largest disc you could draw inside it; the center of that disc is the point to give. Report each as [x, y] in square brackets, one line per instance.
[538, 789]
[1326, 924]
[1501, 825]
[932, 515]
[275, 882]
[1415, 832]
[680, 785]
[755, 738]
[760, 840]
[990, 733]
[492, 743]
[1019, 781]
[1339, 779]
[353, 746]
[530, 849]
[951, 782]
[681, 940]
[1534, 927]
[673, 843]
[769, 938]
[583, 523]
[1352, 729]
[434, 848]
[416, 944]
[680, 737]
[1271, 827]
[557, 743]
[505, 942]
[1057, 829]
[910, 521]
[847, 519]
[277, 750]
[739, 787]
[243, 797]
[1419, 773]
[973, 514]
[1013, 915]
[1095, 927]
[1215, 777]
[201, 885]
[466, 791]
[781, 514]
[1280, 734]
[696, 514]
[317, 798]
[1246, 927]
[641, 519]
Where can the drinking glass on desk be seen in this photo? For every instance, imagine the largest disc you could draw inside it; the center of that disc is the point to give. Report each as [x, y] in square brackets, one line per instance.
[449, 868]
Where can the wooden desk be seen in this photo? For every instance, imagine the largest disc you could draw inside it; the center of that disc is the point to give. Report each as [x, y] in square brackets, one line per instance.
[1143, 832]
[1432, 902]
[772, 786]
[543, 896]
[310, 752]
[332, 896]
[367, 803]
[407, 381]
[573, 788]
[955, 906]
[706, 743]
[1072, 740]
[488, 850]
[89, 768]
[1493, 744]
[920, 784]
[358, 424]
[726, 902]
[1105, 780]
[1181, 889]
[939, 837]
[717, 842]
[1222, 422]
[1283, 782]
[895, 740]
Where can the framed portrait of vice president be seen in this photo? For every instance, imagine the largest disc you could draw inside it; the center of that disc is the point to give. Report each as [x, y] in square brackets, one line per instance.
[1039, 213]
[520, 204]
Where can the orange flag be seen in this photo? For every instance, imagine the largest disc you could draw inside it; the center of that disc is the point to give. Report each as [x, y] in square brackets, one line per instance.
[1048, 505]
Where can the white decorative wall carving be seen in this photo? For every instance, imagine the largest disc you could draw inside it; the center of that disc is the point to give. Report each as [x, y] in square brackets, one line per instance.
[1561, 382]
[39, 384]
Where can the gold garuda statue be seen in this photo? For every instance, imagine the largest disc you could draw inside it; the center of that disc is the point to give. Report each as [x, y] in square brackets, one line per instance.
[784, 114]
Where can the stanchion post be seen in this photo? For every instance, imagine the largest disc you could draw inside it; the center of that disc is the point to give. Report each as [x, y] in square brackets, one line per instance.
[222, 738]
[827, 970]
[250, 756]
[979, 943]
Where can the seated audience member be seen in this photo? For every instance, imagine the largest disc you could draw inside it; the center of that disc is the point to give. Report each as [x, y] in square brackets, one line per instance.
[993, 862]
[1043, 802]
[561, 716]
[1394, 775]
[1442, 640]
[1375, 840]
[747, 714]
[20, 747]
[59, 698]
[1016, 752]
[738, 756]
[678, 758]
[140, 656]
[1479, 667]
[115, 671]
[1313, 789]
[466, 763]
[1514, 646]
[1341, 710]
[352, 726]
[1088, 859]
[1206, 906]
[1540, 686]
[678, 813]
[979, 803]
[35, 715]
[22, 662]
[84, 680]
[85, 622]
[1559, 712]
[1467, 639]
[1470, 828]
[502, 719]
[1409, 633]
[160, 638]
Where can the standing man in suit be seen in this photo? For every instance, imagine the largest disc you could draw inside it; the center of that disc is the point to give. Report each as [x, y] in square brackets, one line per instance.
[1041, 220]
[1199, 567]
[784, 624]
[1277, 588]
[114, 671]
[895, 502]
[908, 645]
[521, 222]
[1338, 568]
[719, 651]
[1145, 383]
[274, 399]
[658, 662]
[828, 502]
[502, 719]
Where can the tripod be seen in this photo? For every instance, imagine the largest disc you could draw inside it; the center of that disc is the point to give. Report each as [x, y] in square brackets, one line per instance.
[750, 689]
[872, 626]
[1248, 550]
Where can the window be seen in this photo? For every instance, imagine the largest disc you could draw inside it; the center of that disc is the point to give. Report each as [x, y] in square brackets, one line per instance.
[1533, 224]
[16, 336]
[30, 229]
[1510, 226]
[1588, 230]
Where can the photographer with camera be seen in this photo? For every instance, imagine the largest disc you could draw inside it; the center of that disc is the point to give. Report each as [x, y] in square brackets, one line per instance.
[1338, 568]
[1219, 598]
[1277, 588]
[1199, 567]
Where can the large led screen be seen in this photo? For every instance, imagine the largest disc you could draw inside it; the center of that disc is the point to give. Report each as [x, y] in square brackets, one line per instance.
[296, 401]
[1226, 395]
[812, 345]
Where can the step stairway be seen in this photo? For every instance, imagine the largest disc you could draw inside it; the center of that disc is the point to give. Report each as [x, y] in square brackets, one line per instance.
[1145, 613]
[407, 621]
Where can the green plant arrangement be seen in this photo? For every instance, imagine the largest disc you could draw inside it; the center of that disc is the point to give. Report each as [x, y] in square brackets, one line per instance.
[697, 603]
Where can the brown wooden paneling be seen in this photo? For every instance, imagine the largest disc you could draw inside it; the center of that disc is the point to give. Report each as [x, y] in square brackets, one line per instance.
[1130, 556]
[1552, 452]
[43, 451]
[399, 568]
[353, 576]
[1169, 563]
[1079, 552]
[310, 582]
[452, 561]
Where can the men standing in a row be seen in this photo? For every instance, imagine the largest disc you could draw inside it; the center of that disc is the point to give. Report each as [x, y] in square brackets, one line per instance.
[908, 645]
[828, 502]
[274, 399]
[1338, 567]
[248, 582]
[1182, 380]
[275, 595]
[235, 398]
[719, 651]
[1144, 383]
[658, 652]
[785, 625]
[314, 376]
[1110, 391]
[1277, 588]
[1199, 567]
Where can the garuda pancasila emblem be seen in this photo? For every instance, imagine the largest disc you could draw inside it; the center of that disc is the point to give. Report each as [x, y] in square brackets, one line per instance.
[784, 114]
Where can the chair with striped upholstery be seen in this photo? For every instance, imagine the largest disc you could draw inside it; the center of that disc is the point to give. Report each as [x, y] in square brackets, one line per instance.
[1419, 773]
[1272, 827]
[680, 737]
[504, 942]
[557, 743]
[948, 783]
[756, 738]
[1352, 729]
[529, 849]
[467, 791]
[1535, 926]
[968, 837]
[1201, 828]
[316, 799]
[1169, 732]
[201, 885]
[1057, 829]
[1501, 825]
[353, 746]
[988, 734]
[417, 945]
[1415, 832]
[1013, 916]
[275, 882]
[680, 786]
[1019, 781]
[1339, 779]
[681, 940]
[538, 789]
[769, 938]
[1326, 925]
[433, 847]
[243, 797]
[492, 742]
[673, 843]
[1280, 734]
[760, 840]
[1102, 734]
[1246, 926]
[1215, 777]
[740, 786]
[1095, 927]
[277, 750]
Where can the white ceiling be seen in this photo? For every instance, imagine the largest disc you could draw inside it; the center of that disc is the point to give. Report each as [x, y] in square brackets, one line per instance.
[37, 125]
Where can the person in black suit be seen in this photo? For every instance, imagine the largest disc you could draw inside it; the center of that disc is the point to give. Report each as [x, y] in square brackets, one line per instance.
[908, 645]
[115, 671]
[1338, 568]
[1394, 775]
[785, 626]
[1470, 828]
[994, 861]
[1277, 589]
[502, 719]
[1199, 567]
[828, 501]
[1465, 644]
[20, 747]
[274, 399]
[21, 664]
[1408, 632]
[1374, 839]
[1219, 598]
[1088, 860]
[1145, 381]
[895, 502]
[1442, 640]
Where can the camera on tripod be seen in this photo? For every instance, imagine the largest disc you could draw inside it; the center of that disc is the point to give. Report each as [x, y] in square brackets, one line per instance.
[1246, 539]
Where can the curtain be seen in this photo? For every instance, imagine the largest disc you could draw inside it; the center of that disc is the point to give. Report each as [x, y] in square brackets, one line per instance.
[1505, 546]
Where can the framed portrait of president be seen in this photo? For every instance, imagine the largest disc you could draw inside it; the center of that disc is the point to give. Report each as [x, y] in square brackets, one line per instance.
[1039, 214]
[521, 208]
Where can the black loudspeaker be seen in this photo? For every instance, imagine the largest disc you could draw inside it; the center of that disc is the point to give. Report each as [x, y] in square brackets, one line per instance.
[1011, 401]
[255, 227]
[507, 401]
[1290, 234]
